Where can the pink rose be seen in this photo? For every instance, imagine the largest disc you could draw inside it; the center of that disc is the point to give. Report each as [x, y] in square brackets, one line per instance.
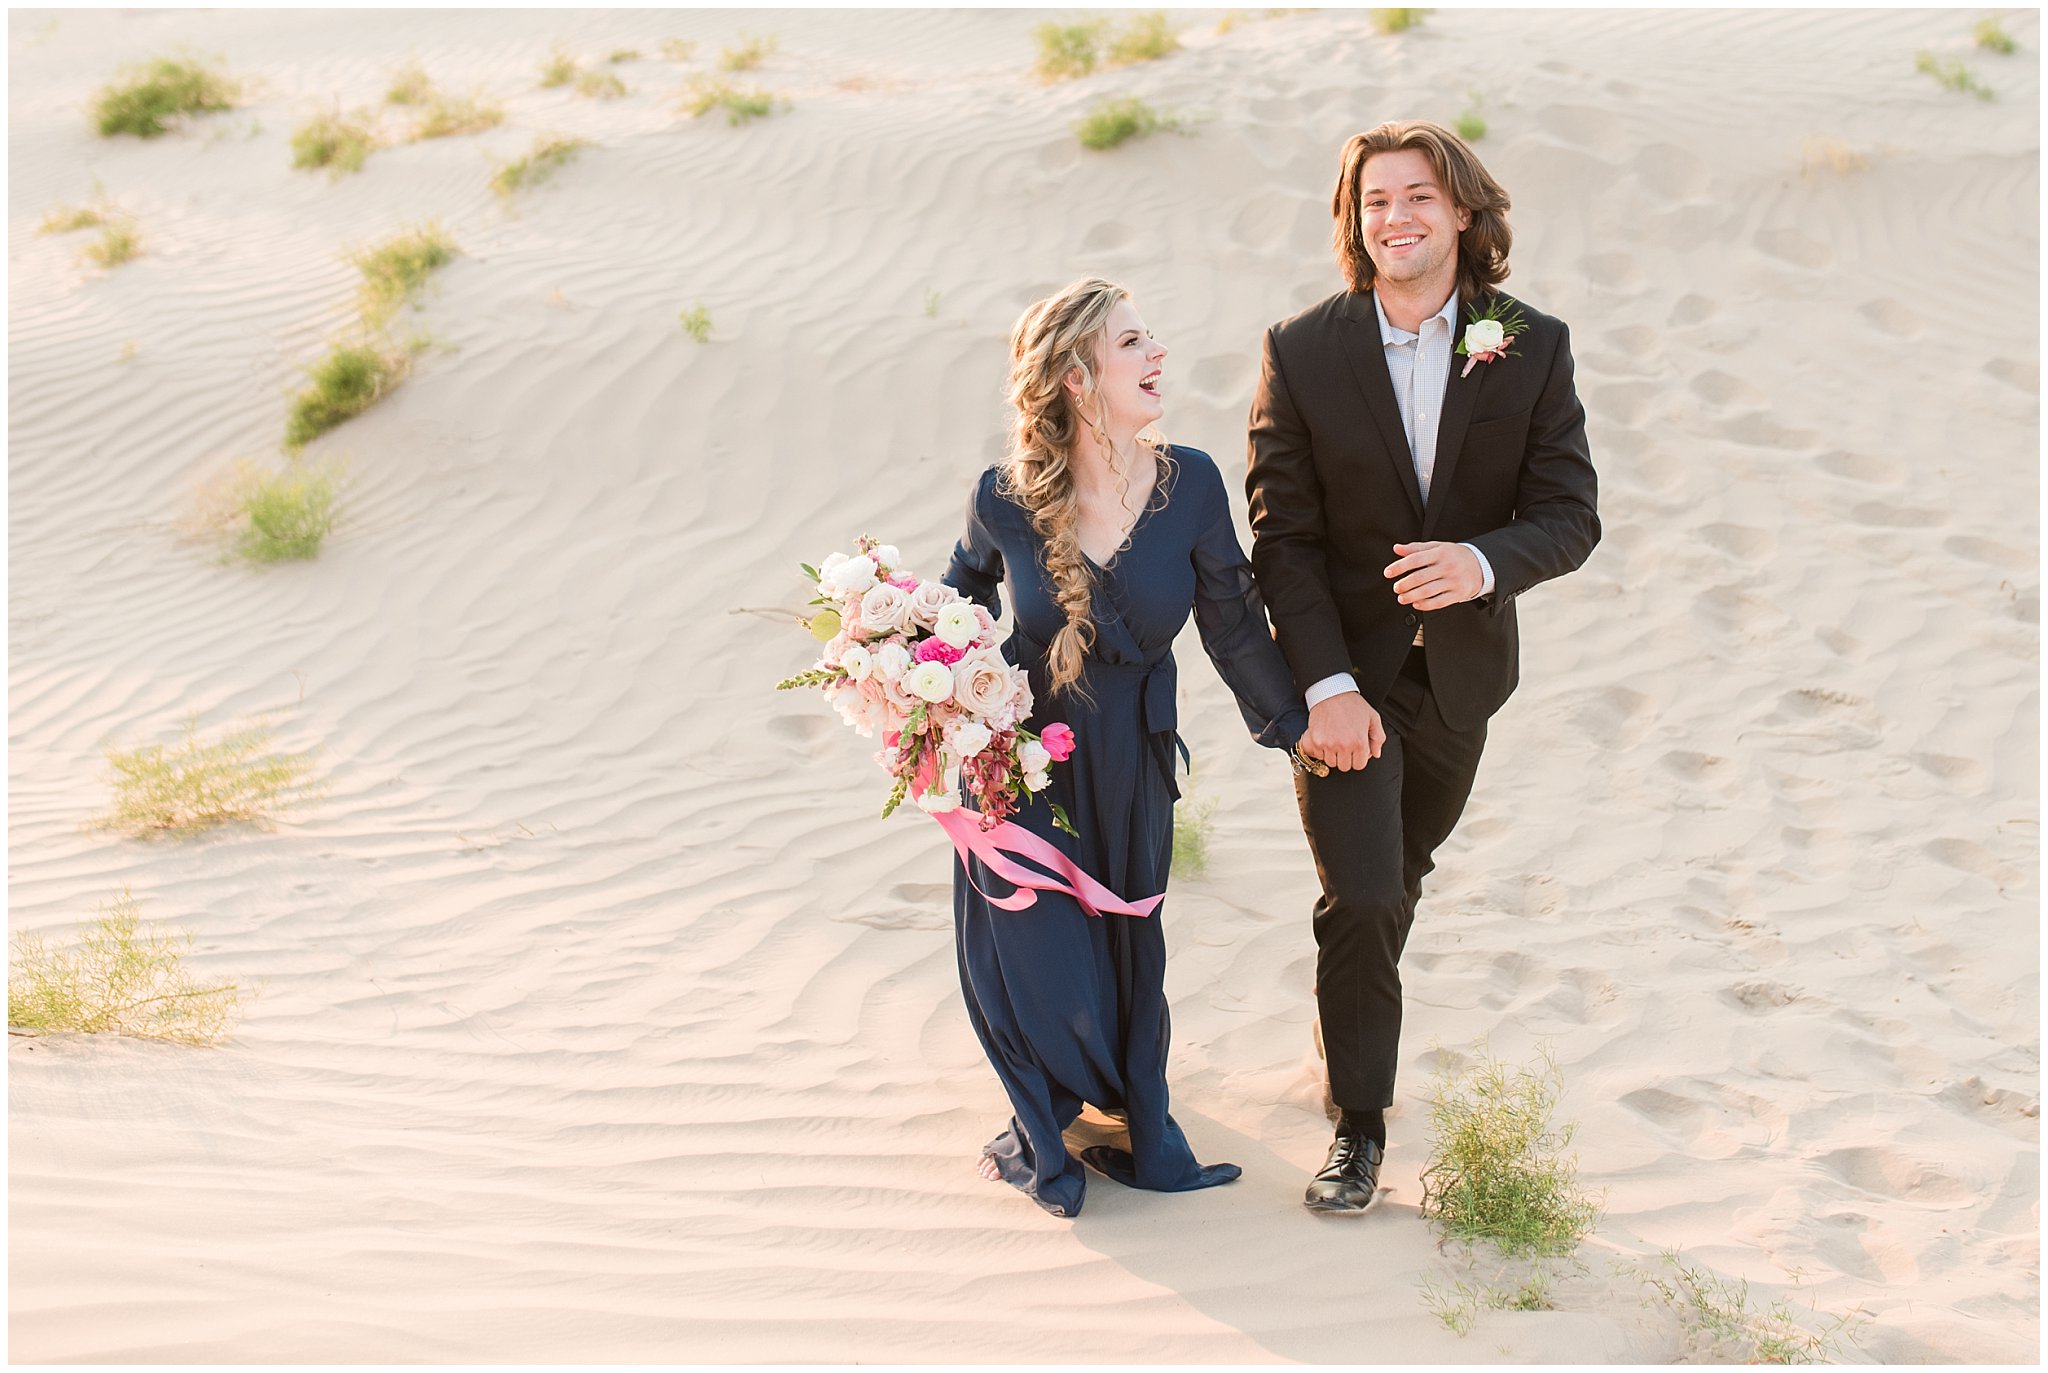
[1058, 741]
[937, 651]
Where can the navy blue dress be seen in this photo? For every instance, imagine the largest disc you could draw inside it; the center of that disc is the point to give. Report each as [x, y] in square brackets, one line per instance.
[1071, 1008]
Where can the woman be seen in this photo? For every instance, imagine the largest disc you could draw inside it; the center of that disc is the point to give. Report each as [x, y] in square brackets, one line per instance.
[1105, 540]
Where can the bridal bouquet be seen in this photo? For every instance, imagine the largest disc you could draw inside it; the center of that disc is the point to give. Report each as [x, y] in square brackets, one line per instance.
[915, 661]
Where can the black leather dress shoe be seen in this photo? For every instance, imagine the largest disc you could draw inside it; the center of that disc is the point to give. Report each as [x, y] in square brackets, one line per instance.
[1350, 1178]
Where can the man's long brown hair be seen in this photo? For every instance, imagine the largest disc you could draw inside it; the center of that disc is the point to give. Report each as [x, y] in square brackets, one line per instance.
[1482, 247]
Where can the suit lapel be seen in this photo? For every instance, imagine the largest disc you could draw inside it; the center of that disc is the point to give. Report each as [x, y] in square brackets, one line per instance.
[1461, 399]
[1368, 355]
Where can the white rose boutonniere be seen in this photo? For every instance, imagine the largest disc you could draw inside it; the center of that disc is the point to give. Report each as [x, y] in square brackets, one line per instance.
[1490, 333]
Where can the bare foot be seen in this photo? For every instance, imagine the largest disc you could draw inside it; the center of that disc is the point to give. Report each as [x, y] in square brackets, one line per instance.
[987, 1168]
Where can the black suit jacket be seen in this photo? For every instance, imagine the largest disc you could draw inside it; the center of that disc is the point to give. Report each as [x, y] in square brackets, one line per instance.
[1332, 490]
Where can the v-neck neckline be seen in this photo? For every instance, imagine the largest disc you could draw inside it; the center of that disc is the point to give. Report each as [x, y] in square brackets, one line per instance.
[1155, 500]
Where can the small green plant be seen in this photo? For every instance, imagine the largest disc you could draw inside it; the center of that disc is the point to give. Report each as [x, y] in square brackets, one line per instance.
[118, 242]
[1719, 1326]
[1496, 1170]
[449, 115]
[931, 304]
[286, 515]
[118, 979]
[1115, 121]
[618, 55]
[1146, 38]
[349, 380]
[150, 97]
[751, 53]
[678, 49]
[1459, 1304]
[548, 156]
[697, 323]
[409, 86]
[197, 783]
[1066, 51]
[600, 85]
[1831, 154]
[396, 269]
[334, 140]
[1193, 823]
[1396, 21]
[1992, 35]
[559, 71]
[64, 219]
[704, 95]
[1953, 76]
[1471, 124]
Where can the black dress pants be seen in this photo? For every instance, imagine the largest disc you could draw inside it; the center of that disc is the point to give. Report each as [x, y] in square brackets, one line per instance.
[1373, 833]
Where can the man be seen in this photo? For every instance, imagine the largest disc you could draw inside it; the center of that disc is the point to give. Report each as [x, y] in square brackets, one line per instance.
[1410, 475]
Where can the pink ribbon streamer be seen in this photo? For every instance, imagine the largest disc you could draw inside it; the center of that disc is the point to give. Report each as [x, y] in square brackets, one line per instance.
[994, 847]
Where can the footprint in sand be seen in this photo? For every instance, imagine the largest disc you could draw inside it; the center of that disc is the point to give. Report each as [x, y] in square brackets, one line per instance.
[1612, 271]
[1892, 317]
[1672, 171]
[1966, 772]
[1989, 552]
[914, 906]
[2020, 377]
[1108, 237]
[1692, 309]
[1861, 467]
[1789, 245]
[1741, 540]
[1223, 377]
[1878, 515]
[1965, 855]
[1760, 430]
[1616, 718]
[2015, 1113]
[801, 731]
[1602, 132]
[1900, 1177]
[1719, 388]
[1759, 997]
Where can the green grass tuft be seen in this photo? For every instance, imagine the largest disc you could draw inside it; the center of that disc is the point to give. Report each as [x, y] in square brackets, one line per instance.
[1718, 1324]
[559, 71]
[1991, 34]
[704, 95]
[151, 96]
[1193, 824]
[548, 156]
[1066, 51]
[1496, 1170]
[751, 53]
[600, 85]
[1471, 124]
[931, 304]
[618, 55]
[349, 380]
[449, 115]
[1115, 121]
[120, 978]
[697, 323]
[678, 49]
[1146, 38]
[284, 516]
[117, 243]
[1459, 1304]
[1396, 21]
[396, 269]
[64, 219]
[334, 140]
[197, 783]
[1953, 76]
[409, 86]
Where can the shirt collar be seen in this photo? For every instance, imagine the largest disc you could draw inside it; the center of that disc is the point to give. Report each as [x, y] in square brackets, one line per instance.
[1389, 334]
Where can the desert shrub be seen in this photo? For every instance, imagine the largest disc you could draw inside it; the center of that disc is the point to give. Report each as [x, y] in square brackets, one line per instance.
[1471, 126]
[1115, 121]
[1830, 154]
[600, 85]
[286, 515]
[703, 96]
[409, 86]
[548, 156]
[1068, 50]
[1991, 34]
[334, 140]
[697, 323]
[120, 978]
[149, 98]
[751, 53]
[118, 242]
[618, 55]
[395, 270]
[559, 71]
[1396, 21]
[1146, 38]
[1954, 76]
[65, 219]
[449, 115]
[197, 783]
[678, 49]
[1193, 824]
[1496, 1170]
[1718, 1325]
[349, 380]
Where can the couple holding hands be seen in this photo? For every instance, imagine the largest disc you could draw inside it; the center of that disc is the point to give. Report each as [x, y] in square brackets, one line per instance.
[1418, 459]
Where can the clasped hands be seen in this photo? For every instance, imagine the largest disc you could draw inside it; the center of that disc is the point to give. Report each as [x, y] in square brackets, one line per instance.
[1344, 731]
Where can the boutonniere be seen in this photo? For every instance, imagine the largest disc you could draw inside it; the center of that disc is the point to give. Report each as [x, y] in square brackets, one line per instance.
[1490, 334]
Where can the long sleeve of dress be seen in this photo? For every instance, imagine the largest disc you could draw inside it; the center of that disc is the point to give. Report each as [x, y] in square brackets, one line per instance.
[976, 571]
[1231, 619]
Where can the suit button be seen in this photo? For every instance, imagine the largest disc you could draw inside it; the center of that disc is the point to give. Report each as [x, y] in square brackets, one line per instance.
[1411, 619]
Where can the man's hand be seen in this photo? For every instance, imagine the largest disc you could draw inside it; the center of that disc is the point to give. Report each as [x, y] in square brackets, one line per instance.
[1344, 731]
[1430, 576]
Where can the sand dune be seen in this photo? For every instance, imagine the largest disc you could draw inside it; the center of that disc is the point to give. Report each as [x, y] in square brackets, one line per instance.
[600, 1021]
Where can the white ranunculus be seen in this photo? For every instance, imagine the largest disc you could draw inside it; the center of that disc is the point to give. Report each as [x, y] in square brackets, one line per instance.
[833, 561]
[858, 663]
[939, 802]
[969, 738]
[1483, 335]
[884, 609]
[928, 600]
[1037, 781]
[957, 624]
[851, 578]
[931, 682]
[984, 688]
[892, 661]
[1032, 757]
[886, 555]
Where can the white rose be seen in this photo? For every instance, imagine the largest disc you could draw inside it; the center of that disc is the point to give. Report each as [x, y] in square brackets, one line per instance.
[1036, 781]
[983, 687]
[892, 661]
[833, 561]
[1484, 335]
[928, 600]
[969, 738]
[852, 577]
[858, 663]
[886, 555]
[1032, 757]
[939, 802]
[884, 609]
[931, 682]
[957, 625]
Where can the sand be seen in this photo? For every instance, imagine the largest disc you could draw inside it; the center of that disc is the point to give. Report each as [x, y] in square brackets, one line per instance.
[598, 1017]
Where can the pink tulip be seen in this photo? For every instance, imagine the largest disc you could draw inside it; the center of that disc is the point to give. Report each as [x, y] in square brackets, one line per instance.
[1058, 741]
